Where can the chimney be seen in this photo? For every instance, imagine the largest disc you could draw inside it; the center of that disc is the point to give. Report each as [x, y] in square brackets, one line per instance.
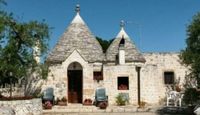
[122, 51]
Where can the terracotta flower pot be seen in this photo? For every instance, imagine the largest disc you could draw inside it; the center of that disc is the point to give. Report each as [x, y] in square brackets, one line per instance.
[47, 105]
[87, 102]
[61, 103]
[103, 105]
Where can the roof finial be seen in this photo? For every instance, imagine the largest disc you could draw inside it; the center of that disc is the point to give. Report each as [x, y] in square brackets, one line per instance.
[77, 8]
[122, 23]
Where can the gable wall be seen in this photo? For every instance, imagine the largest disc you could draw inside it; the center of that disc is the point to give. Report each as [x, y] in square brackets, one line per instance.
[57, 77]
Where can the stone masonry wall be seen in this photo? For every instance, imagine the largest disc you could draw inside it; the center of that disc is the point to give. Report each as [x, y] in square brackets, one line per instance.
[153, 88]
[24, 107]
[111, 73]
[57, 77]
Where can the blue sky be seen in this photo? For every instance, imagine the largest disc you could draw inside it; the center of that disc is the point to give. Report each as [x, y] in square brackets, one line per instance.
[153, 25]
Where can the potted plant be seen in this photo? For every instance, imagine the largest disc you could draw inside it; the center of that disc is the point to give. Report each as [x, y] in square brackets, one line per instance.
[87, 102]
[121, 100]
[47, 105]
[62, 102]
[56, 101]
[103, 105]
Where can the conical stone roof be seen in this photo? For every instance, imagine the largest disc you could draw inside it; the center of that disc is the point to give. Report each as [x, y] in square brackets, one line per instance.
[131, 52]
[77, 37]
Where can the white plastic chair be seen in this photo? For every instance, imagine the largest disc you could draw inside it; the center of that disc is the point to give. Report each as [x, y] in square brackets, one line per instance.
[170, 96]
[175, 97]
[180, 99]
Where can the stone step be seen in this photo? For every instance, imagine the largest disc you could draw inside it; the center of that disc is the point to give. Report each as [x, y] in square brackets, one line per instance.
[136, 113]
[88, 109]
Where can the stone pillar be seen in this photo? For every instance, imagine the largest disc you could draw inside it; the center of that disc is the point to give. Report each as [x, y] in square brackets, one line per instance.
[138, 76]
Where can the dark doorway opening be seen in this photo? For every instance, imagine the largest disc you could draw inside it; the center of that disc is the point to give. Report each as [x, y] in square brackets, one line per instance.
[75, 86]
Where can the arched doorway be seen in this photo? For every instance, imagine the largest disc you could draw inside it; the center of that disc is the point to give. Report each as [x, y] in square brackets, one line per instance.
[75, 83]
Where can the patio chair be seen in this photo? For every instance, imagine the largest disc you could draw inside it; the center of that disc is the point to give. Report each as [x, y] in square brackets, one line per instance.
[100, 96]
[180, 97]
[48, 95]
[175, 97]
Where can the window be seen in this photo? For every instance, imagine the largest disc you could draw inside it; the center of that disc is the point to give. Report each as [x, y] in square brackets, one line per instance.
[122, 83]
[97, 75]
[122, 42]
[168, 77]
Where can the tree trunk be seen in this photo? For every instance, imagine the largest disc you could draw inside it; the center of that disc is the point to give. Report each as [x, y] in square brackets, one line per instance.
[10, 87]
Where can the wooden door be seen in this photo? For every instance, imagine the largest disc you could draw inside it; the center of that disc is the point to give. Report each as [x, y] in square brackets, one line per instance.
[75, 86]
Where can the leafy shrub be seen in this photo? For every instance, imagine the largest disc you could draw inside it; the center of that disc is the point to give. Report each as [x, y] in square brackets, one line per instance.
[61, 102]
[37, 93]
[191, 96]
[121, 100]
[64, 99]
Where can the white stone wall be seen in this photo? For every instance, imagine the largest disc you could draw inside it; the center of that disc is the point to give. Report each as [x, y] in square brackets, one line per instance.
[24, 107]
[152, 75]
[152, 79]
[58, 80]
[111, 73]
[57, 77]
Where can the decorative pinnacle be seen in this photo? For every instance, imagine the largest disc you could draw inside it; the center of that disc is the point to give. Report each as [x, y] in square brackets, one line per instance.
[122, 23]
[77, 8]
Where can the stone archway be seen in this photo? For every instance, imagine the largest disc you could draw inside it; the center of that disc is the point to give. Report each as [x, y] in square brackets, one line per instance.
[75, 83]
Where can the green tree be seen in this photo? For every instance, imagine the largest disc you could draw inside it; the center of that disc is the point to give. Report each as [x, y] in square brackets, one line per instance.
[191, 96]
[18, 41]
[191, 54]
[104, 43]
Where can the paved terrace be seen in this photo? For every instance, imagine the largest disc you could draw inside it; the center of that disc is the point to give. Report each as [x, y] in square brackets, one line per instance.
[79, 109]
